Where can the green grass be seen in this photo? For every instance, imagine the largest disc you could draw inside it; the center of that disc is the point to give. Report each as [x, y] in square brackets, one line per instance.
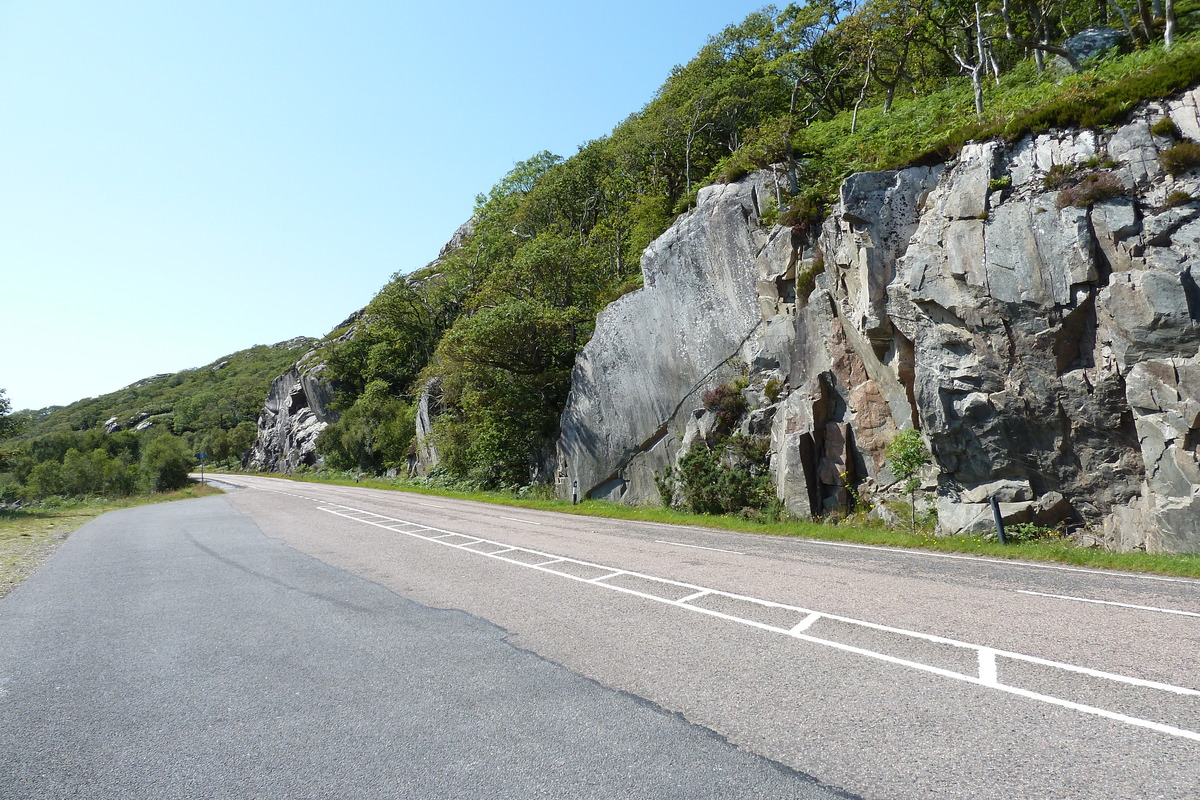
[933, 127]
[29, 536]
[1049, 550]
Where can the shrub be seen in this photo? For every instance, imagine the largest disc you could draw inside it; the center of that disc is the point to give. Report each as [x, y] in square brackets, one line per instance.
[726, 401]
[1180, 158]
[713, 483]
[1165, 127]
[1093, 188]
[805, 214]
[1029, 532]
[1177, 198]
[773, 389]
[1060, 175]
[806, 279]
[165, 464]
[998, 184]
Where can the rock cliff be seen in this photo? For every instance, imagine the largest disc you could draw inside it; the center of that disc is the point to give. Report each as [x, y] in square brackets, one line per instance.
[1031, 307]
[295, 413]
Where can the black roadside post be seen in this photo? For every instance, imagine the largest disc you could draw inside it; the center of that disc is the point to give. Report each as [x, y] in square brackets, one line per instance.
[999, 520]
[575, 493]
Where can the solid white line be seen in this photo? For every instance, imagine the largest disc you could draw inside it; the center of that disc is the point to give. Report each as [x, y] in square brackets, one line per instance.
[1007, 562]
[695, 596]
[516, 519]
[1111, 603]
[698, 547]
[805, 623]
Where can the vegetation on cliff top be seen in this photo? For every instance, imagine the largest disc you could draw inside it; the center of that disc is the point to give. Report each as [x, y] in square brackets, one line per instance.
[814, 92]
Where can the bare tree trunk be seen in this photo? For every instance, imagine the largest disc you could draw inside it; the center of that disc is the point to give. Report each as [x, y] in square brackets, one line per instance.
[862, 94]
[1147, 20]
[1169, 27]
[1124, 19]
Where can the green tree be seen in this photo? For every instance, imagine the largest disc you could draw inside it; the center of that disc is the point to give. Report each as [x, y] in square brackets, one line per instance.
[906, 455]
[165, 464]
[9, 425]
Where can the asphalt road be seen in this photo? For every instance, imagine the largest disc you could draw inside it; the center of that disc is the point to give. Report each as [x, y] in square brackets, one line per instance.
[298, 640]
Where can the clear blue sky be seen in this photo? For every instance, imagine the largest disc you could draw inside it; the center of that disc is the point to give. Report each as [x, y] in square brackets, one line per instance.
[180, 180]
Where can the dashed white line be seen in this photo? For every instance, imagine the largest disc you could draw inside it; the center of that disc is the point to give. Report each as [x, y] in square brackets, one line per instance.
[517, 519]
[1111, 603]
[698, 547]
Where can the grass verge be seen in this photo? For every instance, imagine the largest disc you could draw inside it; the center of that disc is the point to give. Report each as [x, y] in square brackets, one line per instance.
[30, 536]
[1060, 551]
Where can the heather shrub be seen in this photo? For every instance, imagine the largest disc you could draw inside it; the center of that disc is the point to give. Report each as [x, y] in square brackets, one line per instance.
[1093, 188]
[1180, 158]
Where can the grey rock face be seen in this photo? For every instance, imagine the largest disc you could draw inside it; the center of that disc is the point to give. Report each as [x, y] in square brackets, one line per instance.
[654, 351]
[296, 411]
[1050, 356]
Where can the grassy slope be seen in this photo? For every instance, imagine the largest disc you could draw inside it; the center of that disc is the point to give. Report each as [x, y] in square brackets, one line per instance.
[239, 386]
[934, 126]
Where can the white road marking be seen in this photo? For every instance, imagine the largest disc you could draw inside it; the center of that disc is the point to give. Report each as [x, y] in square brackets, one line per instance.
[430, 505]
[1007, 562]
[516, 519]
[698, 547]
[986, 675]
[694, 596]
[1111, 603]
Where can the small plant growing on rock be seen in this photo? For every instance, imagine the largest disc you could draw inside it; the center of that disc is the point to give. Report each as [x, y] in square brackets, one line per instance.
[906, 455]
[1180, 157]
[770, 213]
[1004, 182]
[806, 279]
[1091, 189]
[1029, 532]
[1177, 198]
[805, 214]
[1165, 127]
[1060, 175]
[726, 401]
[773, 389]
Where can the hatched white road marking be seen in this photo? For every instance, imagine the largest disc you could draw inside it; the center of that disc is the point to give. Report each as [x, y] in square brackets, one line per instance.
[986, 674]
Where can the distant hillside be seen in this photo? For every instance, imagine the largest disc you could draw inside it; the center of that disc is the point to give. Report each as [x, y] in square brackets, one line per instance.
[213, 407]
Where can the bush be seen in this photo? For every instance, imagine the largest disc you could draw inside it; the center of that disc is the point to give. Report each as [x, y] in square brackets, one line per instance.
[726, 401]
[713, 483]
[165, 465]
[1180, 158]
[1060, 175]
[1029, 532]
[1093, 188]
[1177, 198]
[1164, 127]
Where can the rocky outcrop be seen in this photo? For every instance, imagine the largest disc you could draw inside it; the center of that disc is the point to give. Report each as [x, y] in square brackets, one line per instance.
[1048, 351]
[636, 383]
[296, 411]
